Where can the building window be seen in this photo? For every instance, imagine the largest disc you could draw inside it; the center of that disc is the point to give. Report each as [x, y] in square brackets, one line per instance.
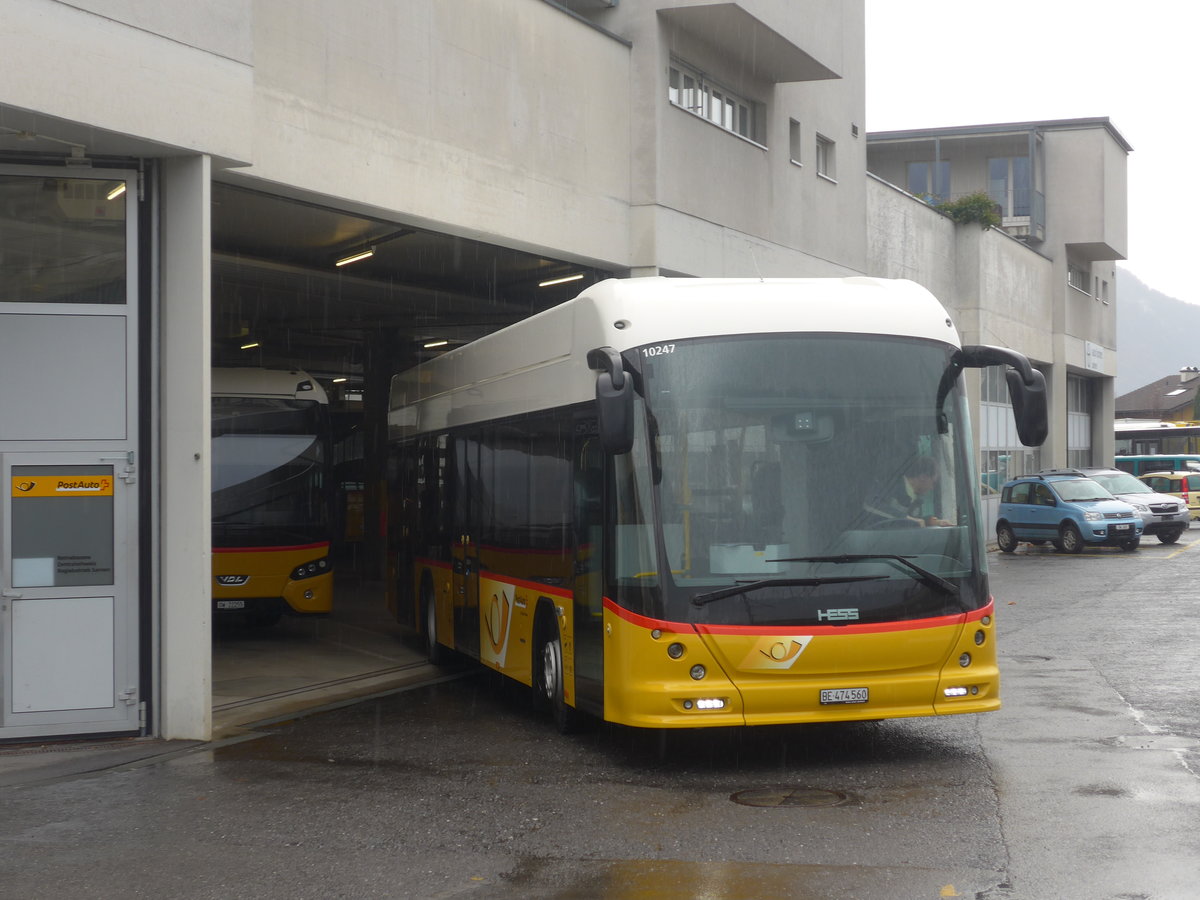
[929, 180]
[1001, 454]
[794, 140]
[1079, 421]
[690, 89]
[1077, 277]
[826, 158]
[1009, 185]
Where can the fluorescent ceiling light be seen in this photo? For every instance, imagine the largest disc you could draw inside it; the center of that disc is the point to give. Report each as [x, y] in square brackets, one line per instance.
[250, 346]
[340, 380]
[553, 281]
[117, 191]
[432, 344]
[356, 257]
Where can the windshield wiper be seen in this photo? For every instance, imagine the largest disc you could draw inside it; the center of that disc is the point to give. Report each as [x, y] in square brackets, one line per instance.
[926, 577]
[746, 587]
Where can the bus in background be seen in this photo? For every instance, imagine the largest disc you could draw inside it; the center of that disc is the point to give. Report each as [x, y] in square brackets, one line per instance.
[1146, 437]
[270, 495]
[1158, 462]
[706, 502]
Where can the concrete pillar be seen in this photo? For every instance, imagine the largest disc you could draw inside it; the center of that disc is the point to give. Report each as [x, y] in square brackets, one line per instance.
[184, 427]
[1104, 414]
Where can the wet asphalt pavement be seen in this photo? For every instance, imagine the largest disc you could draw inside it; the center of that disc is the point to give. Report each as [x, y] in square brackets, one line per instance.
[1086, 785]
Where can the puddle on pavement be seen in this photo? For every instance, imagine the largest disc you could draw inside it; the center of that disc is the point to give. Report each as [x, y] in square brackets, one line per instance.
[690, 879]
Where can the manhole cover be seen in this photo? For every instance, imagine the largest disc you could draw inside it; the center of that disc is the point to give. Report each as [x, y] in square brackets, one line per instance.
[800, 796]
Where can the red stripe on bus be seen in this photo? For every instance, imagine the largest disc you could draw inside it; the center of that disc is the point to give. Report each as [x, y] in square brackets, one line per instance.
[973, 615]
[907, 625]
[506, 579]
[324, 545]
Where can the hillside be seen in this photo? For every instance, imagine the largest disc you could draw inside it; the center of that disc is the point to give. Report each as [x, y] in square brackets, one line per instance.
[1156, 334]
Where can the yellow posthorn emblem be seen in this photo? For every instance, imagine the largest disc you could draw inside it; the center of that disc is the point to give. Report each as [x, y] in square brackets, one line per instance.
[772, 652]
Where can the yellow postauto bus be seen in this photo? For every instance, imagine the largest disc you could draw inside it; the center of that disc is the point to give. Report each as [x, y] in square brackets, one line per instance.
[706, 502]
[270, 495]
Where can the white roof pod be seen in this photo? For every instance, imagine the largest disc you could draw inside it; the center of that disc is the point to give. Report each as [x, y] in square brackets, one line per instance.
[286, 384]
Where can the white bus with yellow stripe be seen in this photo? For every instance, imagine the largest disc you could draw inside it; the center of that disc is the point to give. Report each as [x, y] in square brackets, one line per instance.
[657, 504]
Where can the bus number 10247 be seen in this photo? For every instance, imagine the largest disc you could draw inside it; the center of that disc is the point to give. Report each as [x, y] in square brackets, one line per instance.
[660, 350]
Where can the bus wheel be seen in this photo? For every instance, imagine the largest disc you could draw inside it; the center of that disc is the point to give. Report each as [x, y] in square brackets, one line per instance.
[436, 653]
[548, 689]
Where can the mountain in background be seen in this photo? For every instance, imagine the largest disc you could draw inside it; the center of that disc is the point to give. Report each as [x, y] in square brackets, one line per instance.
[1156, 334]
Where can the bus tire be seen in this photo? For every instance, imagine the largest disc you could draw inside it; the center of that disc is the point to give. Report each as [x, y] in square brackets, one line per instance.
[550, 678]
[436, 653]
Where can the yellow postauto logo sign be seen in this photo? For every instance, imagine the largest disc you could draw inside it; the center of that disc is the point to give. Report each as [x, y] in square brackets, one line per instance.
[62, 486]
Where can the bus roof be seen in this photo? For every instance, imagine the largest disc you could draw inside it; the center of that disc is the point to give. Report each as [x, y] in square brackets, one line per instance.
[541, 362]
[274, 383]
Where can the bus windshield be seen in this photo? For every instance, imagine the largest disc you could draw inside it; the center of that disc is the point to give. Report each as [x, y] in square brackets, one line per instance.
[267, 481]
[812, 469]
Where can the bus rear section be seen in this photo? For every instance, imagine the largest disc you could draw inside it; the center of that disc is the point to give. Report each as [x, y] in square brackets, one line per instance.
[270, 500]
[767, 512]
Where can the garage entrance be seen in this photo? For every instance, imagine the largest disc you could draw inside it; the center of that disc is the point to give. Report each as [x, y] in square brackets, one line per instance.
[346, 299]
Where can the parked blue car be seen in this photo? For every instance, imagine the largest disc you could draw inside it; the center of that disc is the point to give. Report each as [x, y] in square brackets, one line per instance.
[1063, 506]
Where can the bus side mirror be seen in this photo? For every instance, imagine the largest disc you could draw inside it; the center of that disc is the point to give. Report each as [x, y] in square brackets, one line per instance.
[1026, 387]
[1029, 406]
[614, 400]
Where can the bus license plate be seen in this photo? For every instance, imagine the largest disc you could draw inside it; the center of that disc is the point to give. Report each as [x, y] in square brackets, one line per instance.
[231, 604]
[844, 695]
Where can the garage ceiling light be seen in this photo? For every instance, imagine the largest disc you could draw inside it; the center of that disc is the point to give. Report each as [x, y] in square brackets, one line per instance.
[116, 192]
[356, 257]
[554, 281]
[429, 345]
[250, 346]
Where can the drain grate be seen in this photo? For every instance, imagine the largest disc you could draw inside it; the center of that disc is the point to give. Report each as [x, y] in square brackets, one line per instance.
[794, 796]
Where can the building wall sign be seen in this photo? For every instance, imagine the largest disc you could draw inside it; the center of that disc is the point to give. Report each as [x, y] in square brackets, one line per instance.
[62, 526]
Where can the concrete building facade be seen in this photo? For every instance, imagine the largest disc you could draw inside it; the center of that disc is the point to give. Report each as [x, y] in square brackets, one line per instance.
[1042, 281]
[227, 154]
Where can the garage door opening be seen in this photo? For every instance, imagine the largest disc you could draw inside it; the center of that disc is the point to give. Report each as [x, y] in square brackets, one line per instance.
[341, 301]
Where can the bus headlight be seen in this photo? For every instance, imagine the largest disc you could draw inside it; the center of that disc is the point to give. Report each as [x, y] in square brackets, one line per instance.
[309, 569]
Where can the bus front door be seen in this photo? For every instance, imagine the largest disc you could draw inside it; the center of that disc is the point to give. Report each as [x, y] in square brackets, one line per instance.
[465, 551]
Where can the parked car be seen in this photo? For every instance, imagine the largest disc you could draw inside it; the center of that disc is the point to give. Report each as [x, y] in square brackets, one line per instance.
[1064, 507]
[1184, 485]
[1163, 515]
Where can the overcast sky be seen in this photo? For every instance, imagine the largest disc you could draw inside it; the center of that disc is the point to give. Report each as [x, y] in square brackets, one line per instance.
[934, 63]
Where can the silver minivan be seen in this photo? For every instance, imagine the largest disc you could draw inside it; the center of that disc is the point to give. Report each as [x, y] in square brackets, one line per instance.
[1163, 515]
